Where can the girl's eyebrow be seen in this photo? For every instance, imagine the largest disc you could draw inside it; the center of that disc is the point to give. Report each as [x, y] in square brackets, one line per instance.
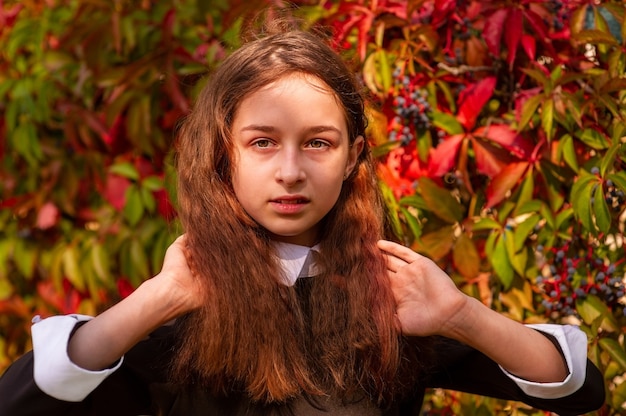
[271, 129]
[259, 127]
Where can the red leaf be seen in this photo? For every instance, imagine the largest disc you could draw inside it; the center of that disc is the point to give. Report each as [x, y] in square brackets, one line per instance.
[404, 162]
[539, 30]
[513, 34]
[167, 26]
[509, 139]
[494, 26]
[115, 191]
[172, 86]
[124, 288]
[473, 99]
[50, 295]
[504, 182]
[538, 26]
[488, 161]
[164, 205]
[529, 45]
[443, 157]
[442, 10]
[400, 186]
[8, 17]
[66, 301]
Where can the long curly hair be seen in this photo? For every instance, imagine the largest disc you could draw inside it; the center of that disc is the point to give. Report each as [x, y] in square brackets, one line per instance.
[253, 336]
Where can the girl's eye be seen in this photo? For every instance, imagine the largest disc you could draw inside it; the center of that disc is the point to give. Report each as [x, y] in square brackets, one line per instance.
[318, 144]
[262, 143]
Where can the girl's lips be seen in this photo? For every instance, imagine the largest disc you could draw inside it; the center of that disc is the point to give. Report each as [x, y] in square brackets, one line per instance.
[289, 205]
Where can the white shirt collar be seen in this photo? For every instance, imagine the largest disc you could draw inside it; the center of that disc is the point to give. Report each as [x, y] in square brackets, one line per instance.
[296, 261]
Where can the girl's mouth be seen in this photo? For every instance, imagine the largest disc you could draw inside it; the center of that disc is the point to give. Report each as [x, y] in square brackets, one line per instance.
[290, 201]
[289, 205]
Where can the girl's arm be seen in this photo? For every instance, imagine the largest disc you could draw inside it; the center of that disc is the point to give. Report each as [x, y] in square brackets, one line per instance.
[103, 340]
[428, 303]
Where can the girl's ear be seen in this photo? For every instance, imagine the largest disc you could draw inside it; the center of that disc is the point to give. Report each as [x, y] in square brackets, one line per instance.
[355, 150]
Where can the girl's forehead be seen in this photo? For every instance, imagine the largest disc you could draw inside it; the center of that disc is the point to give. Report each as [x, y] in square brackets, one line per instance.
[297, 79]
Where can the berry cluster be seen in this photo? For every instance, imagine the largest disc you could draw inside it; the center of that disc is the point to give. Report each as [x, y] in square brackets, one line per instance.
[571, 276]
[410, 109]
[560, 13]
[614, 197]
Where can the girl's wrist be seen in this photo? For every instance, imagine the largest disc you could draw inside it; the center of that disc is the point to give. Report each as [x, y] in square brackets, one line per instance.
[160, 303]
[462, 324]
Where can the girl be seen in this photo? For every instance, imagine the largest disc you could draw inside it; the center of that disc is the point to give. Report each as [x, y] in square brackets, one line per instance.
[281, 298]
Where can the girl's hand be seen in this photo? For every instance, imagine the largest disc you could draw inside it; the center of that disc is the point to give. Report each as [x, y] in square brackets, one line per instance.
[177, 278]
[171, 293]
[428, 302]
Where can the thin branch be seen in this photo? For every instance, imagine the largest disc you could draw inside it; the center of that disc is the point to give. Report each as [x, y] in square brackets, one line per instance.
[463, 68]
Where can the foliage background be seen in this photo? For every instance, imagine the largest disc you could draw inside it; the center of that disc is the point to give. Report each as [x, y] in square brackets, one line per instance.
[499, 126]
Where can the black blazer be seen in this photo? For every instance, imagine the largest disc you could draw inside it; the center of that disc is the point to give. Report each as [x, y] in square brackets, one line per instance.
[139, 387]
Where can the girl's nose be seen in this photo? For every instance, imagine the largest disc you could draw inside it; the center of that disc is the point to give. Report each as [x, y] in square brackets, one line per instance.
[290, 170]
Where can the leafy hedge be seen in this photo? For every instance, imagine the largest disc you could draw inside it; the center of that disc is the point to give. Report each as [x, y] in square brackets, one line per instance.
[500, 128]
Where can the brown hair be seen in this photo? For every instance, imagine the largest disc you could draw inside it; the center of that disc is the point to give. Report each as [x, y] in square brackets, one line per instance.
[253, 335]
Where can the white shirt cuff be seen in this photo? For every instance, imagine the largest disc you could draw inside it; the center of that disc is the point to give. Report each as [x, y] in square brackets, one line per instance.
[573, 343]
[54, 373]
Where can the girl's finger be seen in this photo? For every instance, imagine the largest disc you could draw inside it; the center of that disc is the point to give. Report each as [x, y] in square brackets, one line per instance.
[398, 250]
[394, 263]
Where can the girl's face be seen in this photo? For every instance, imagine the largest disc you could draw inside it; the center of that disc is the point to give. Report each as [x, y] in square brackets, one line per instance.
[292, 155]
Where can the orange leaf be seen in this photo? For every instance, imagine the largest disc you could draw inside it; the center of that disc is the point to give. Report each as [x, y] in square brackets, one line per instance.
[504, 182]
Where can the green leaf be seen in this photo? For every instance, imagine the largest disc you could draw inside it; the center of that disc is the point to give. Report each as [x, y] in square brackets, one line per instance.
[377, 72]
[593, 139]
[538, 76]
[125, 169]
[592, 308]
[501, 264]
[152, 183]
[26, 143]
[563, 217]
[412, 222]
[601, 210]
[415, 201]
[147, 199]
[595, 37]
[486, 224]
[523, 230]
[446, 122]
[139, 263]
[527, 207]
[385, 70]
[134, 208]
[101, 263]
[392, 208]
[547, 117]
[490, 244]
[607, 160]
[24, 256]
[581, 198]
[71, 268]
[440, 202]
[6, 289]
[615, 350]
[527, 190]
[519, 261]
[529, 109]
[619, 179]
[547, 214]
[567, 150]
